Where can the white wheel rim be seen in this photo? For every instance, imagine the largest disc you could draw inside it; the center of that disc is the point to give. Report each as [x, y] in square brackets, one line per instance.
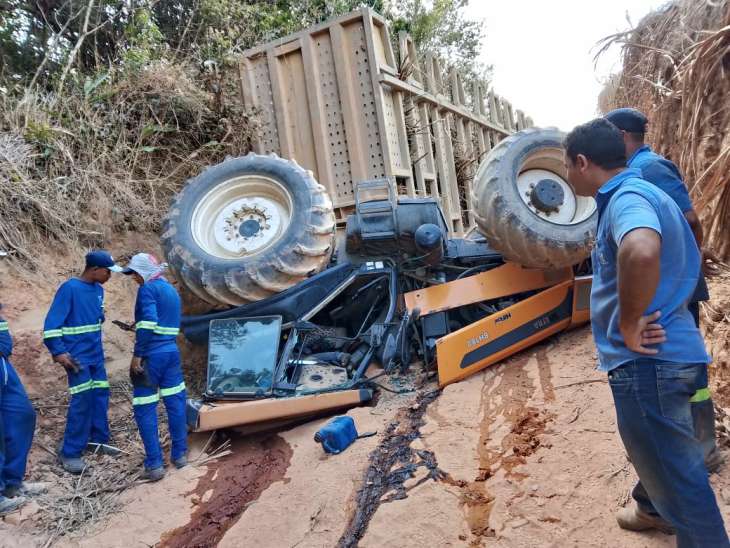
[573, 208]
[241, 217]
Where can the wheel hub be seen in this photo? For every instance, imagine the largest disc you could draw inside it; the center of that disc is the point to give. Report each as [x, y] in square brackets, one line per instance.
[249, 225]
[547, 195]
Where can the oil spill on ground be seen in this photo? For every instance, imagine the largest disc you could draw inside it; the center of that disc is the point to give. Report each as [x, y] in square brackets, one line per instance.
[234, 481]
[381, 478]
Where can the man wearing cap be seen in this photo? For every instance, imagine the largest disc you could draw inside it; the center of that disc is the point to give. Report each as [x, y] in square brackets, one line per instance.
[645, 268]
[155, 368]
[72, 334]
[17, 425]
[663, 173]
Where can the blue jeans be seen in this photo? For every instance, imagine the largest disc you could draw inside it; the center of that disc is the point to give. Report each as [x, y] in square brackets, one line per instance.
[654, 416]
[162, 378]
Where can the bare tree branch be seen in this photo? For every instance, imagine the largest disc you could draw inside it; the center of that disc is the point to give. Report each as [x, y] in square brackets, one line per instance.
[82, 36]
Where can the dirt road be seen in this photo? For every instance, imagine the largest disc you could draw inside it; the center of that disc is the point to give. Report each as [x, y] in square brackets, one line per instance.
[523, 454]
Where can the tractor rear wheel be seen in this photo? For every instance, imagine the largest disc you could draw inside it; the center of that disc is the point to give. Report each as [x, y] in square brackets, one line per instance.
[248, 228]
[525, 207]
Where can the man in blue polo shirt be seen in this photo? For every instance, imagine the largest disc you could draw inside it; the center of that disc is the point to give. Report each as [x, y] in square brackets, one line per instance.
[656, 169]
[645, 264]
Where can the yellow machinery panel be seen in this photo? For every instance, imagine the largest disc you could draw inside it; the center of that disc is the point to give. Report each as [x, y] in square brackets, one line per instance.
[505, 280]
[564, 302]
[483, 343]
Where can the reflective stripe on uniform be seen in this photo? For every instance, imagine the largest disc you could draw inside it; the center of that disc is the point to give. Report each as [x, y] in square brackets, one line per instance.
[703, 394]
[159, 330]
[143, 400]
[76, 330]
[154, 398]
[83, 387]
[146, 325]
[164, 392]
[3, 326]
[99, 384]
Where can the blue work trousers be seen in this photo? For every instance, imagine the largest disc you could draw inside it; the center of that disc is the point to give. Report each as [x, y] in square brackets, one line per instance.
[654, 416]
[87, 417]
[162, 378]
[17, 425]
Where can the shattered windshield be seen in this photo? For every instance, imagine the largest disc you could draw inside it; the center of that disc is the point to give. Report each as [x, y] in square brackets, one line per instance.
[242, 355]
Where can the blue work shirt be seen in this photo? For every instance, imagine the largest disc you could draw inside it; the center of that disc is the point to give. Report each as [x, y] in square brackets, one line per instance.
[656, 169]
[627, 202]
[157, 318]
[73, 323]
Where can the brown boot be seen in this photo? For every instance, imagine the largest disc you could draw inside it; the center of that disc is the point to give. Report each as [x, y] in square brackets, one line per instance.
[633, 518]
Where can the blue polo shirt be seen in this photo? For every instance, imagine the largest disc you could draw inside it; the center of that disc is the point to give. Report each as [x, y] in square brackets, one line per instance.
[627, 202]
[656, 169]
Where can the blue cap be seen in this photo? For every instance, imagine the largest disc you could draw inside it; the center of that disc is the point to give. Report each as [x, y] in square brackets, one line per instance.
[101, 259]
[628, 119]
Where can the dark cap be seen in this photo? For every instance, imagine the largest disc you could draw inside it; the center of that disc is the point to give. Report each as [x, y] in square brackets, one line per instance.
[628, 119]
[101, 259]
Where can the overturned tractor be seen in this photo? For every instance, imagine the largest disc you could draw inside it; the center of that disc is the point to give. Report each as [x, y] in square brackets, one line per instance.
[309, 310]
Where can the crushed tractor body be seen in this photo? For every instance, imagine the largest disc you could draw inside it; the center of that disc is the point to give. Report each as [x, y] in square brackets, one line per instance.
[316, 314]
[399, 289]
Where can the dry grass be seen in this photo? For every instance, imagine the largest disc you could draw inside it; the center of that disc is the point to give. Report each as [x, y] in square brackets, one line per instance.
[676, 67]
[77, 503]
[108, 156]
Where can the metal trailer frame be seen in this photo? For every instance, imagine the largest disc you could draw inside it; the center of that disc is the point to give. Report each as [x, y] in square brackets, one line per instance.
[335, 99]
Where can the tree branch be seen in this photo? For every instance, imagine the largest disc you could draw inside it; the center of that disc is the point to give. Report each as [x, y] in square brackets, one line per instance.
[82, 36]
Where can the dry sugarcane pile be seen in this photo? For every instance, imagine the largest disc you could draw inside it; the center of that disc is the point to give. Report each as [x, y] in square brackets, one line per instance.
[676, 68]
[77, 503]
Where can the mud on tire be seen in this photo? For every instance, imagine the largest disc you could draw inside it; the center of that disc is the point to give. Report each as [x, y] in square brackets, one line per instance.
[248, 228]
[529, 225]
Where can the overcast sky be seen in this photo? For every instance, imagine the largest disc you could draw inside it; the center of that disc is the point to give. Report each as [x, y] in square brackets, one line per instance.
[542, 52]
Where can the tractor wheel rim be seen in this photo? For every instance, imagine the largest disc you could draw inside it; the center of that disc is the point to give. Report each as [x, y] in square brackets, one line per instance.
[550, 197]
[242, 217]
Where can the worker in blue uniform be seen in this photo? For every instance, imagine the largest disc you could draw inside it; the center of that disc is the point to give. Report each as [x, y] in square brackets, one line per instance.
[72, 333]
[155, 368]
[17, 425]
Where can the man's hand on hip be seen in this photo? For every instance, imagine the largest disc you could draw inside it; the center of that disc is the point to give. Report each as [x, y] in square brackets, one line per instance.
[639, 334]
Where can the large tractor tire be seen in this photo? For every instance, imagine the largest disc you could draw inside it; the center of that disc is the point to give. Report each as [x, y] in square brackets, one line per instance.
[524, 206]
[248, 228]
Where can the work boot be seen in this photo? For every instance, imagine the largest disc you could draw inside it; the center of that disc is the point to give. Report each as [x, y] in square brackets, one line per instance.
[182, 462]
[27, 489]
[154, 474]
[102, 449]
[74, 465]
[634, 518]
[714, 460]
[8, 506]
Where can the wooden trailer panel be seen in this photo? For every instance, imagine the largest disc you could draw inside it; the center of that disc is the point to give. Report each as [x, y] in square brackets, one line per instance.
[338, 100]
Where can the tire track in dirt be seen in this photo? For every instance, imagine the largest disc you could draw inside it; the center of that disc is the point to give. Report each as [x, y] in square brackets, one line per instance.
[228, 488]
[505, 394]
